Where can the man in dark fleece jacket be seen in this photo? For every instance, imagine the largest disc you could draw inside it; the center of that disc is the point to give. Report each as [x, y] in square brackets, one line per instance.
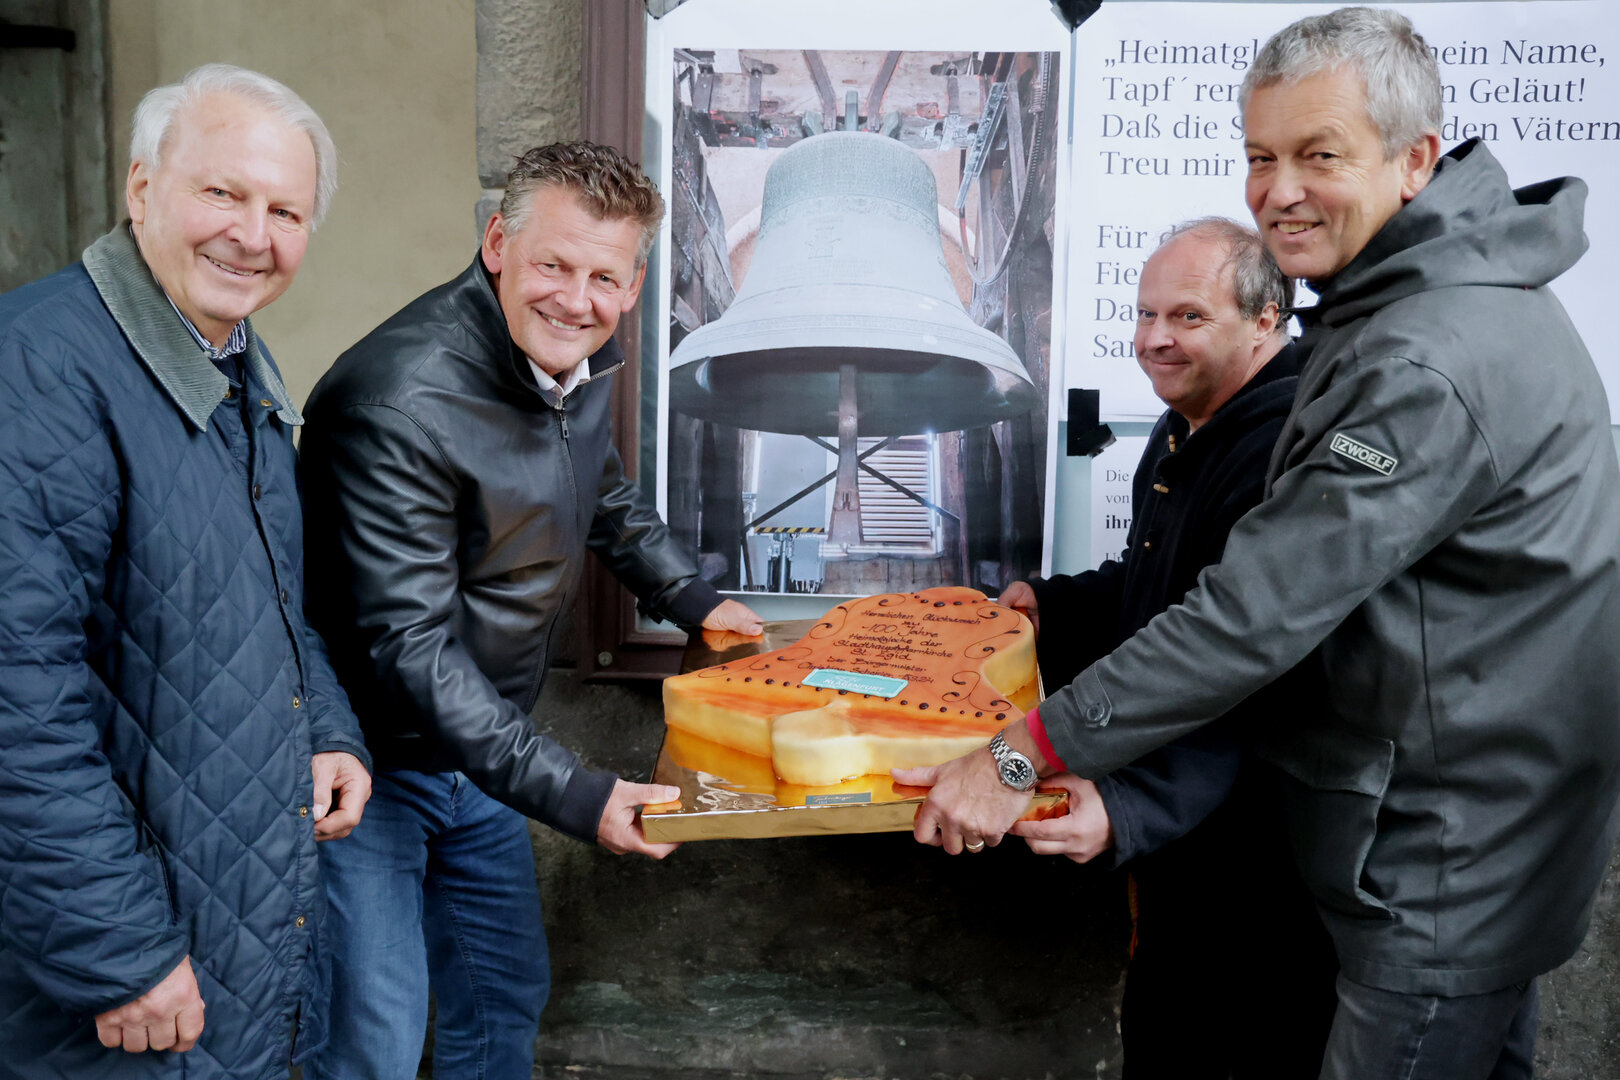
[1192, 819]
[1440, 541]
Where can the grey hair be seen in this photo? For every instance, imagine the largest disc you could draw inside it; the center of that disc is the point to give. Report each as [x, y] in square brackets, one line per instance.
[1257, 280]
[1404, 95]
[610, 185]
[155, 117]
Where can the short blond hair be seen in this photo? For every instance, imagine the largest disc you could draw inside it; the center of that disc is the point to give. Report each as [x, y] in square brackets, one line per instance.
[1257, 280]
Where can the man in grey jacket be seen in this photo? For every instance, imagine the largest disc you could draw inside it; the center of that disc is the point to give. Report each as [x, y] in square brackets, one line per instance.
[1440, 538]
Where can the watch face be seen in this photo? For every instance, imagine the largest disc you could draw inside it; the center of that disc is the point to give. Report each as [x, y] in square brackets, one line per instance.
[1016, 771]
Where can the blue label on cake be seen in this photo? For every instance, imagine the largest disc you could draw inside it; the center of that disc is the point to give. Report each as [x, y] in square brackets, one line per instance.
[855, 682]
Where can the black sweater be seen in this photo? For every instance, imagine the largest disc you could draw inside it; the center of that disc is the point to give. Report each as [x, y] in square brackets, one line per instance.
[1187, 493]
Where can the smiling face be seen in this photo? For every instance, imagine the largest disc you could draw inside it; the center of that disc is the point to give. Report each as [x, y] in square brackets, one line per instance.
[1191, 339]
[1319, 185]
[224, 221]
[564, 278]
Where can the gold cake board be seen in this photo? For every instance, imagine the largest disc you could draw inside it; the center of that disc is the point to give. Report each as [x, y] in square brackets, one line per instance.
[729, 795]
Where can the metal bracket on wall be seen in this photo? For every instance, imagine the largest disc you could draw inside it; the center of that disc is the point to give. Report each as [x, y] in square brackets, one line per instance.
[1087, 437]
[1072, 12]
[18, 36]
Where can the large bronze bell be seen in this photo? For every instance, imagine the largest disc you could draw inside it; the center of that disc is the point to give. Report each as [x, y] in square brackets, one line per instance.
[848, 285]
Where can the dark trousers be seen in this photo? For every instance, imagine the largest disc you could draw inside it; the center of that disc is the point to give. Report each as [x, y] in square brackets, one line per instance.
[1382, 1035]
[1253, 1009]
[1232, 976]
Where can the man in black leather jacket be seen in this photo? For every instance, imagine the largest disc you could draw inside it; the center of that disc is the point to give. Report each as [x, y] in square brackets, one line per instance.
[457, 463]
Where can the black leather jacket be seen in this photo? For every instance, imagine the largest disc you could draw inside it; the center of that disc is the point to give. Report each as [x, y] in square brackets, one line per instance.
[449, 506]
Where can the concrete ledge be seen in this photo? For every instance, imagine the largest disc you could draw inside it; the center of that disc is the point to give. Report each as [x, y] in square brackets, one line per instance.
[790, 1028]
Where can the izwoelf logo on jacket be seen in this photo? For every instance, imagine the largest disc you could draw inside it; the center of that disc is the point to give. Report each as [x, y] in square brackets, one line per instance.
[1362, 454]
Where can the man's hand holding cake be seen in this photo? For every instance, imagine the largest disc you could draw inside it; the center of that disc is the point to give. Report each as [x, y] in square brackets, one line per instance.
[977, 797]
[734, 617]
[1082, 834]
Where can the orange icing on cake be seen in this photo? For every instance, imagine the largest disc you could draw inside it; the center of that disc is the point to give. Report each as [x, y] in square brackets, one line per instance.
[969, 666]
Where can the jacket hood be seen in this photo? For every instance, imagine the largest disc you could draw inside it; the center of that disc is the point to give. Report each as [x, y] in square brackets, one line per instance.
[1467, 227]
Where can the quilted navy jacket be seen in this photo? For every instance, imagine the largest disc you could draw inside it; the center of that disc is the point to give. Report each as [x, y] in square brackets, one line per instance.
[160, 693]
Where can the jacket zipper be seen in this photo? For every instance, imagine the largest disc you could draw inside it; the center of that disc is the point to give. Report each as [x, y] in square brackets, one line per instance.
[551, 629]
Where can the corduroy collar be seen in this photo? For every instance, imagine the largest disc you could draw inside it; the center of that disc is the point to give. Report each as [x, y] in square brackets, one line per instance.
[143, 312]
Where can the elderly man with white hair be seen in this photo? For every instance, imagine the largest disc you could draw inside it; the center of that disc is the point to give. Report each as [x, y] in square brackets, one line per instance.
[175, 742]
[1440, 542]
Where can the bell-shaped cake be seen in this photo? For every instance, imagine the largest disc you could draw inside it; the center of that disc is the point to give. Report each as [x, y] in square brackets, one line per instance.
[882, 682]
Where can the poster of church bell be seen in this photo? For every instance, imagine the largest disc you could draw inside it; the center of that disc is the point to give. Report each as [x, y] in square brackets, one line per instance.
[858, 290]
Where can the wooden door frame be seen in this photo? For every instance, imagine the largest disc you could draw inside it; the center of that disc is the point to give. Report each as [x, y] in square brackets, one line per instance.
[612, 106]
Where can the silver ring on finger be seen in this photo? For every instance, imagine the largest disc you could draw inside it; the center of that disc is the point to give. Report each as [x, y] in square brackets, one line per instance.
[975, 847]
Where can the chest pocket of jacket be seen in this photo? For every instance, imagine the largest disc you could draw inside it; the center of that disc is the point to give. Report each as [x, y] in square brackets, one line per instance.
[1333, 786]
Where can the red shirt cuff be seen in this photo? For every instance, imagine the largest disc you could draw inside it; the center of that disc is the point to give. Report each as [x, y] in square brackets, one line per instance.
[1037, 731]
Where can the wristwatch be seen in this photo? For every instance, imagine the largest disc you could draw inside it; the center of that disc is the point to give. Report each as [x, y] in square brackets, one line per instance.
[1016, 770]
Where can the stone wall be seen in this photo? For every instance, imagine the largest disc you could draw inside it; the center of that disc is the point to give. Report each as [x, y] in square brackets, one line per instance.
[528, 84]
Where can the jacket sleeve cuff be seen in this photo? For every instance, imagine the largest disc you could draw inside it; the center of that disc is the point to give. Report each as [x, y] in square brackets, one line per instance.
[1078, 714]
[1116, 803]
[693, 603]
[168, 960]
[1037, 731]
[337, 742]
[582, 803]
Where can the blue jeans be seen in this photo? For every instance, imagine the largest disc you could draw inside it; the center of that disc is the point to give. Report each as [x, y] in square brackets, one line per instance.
[435, 888]
[1381, 1035]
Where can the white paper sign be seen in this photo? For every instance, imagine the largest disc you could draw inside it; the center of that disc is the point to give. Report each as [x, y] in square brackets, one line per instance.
[1111, 473]
[1158, 139]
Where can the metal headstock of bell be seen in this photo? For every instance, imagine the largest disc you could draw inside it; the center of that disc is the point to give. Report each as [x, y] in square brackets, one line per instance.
[848, 277]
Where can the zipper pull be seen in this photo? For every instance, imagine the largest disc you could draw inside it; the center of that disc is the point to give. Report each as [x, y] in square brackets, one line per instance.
[562, 414]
